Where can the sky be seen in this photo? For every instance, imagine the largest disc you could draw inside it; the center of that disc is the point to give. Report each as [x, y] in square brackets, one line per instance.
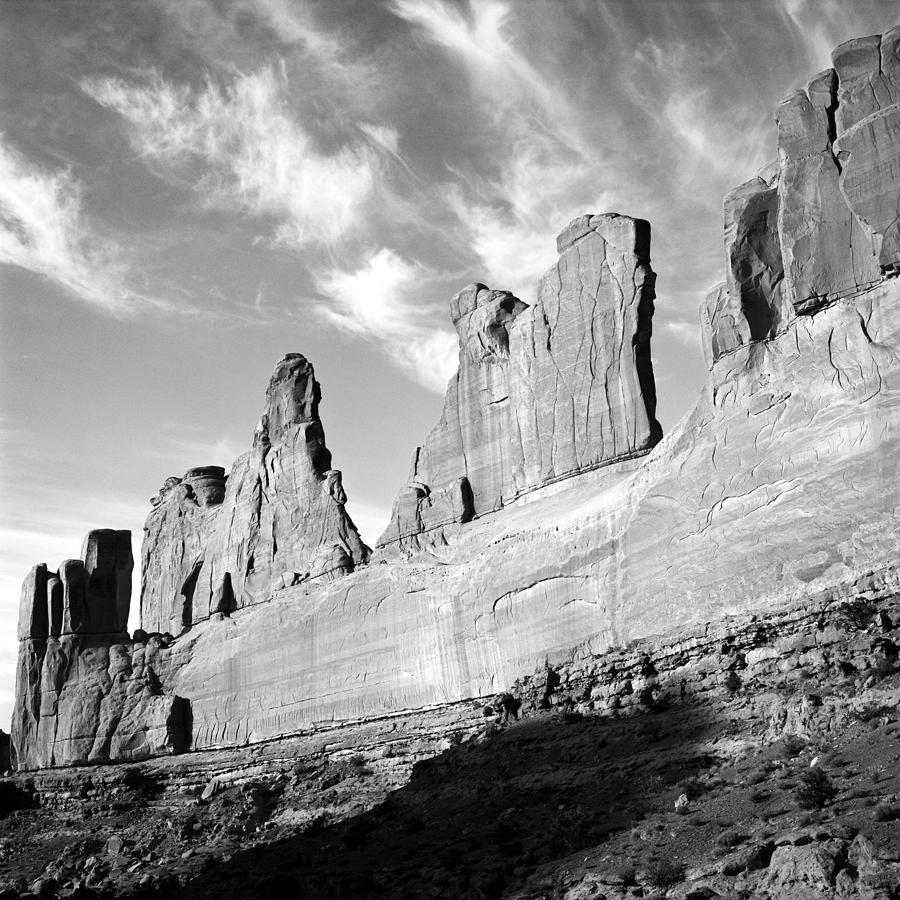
[190, 189]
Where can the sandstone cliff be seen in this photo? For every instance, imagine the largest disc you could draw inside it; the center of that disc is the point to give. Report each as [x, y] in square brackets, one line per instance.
[542, 392]
[85, 692]
[535, 519]
[824, 221]
[213, 545]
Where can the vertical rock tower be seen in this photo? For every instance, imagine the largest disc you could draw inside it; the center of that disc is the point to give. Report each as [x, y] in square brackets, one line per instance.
[213, 545]
[84, 691]
[823, 222]
[542, 392]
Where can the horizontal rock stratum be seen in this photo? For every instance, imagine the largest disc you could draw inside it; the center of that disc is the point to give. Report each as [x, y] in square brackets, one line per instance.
[544, 510]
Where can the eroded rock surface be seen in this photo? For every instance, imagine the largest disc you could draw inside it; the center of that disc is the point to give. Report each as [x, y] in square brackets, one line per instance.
[542, 392]
[824, 220]
[85, 692]
[840, 178]
[175, 536]
[536, 517]
[213, 545]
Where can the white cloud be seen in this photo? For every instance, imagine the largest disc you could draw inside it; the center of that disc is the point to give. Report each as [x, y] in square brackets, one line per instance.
[382, 136]
[369, 519]
[671, 77]
[183, 448]
[334, 65]
[43, 228]
[242, 148]
[813, 27]
[480, 41]
[382, 302]
[687, 333]
[545, 172]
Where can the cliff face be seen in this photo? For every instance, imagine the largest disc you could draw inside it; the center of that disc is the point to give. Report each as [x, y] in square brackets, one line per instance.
[824, 221]
[542, 392]
[543, 511]
[85, 692]
[213, 545]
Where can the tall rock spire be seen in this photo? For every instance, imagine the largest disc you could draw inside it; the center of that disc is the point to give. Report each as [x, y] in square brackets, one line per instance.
[279, 520]
[543, 391]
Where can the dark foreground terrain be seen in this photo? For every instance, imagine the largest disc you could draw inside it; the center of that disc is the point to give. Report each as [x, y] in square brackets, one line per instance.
[756, 758]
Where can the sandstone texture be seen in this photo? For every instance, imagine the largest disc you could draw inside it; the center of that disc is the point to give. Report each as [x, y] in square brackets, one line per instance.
[824, 221]
[213, 545]
[85, 692]
[676, 765]
[542, 392]
[543, 511]
[778, 483]
[175, 536]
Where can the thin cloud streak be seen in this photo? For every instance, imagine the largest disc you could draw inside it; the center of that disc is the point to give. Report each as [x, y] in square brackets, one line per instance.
[381, 302]
[686, 333]
[242, 148]
[545, 172]
[43, 228]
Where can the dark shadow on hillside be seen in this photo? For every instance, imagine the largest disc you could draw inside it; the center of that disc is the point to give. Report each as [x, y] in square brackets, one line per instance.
[478, 819]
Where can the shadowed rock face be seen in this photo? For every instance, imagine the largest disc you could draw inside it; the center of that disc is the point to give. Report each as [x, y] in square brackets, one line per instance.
[542, 392]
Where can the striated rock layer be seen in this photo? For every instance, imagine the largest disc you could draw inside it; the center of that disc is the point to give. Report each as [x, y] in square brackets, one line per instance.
[780, 482]
[542, 392]
[538, 517]
[85, 692]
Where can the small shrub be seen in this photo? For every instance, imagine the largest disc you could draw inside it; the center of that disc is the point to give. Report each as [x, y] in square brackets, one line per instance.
[873, 711]
[693, 787]
[650, 783]
[729, 839]
[790, 745]
[625, 874]
[886, 811]
[815, 790]
[857, 613]
[665, 873]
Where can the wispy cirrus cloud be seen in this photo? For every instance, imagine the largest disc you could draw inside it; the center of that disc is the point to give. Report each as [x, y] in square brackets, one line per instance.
[44, 228]
[334, 64]
[381, 300]
[543, 174]
[687, 333]
[241, 147]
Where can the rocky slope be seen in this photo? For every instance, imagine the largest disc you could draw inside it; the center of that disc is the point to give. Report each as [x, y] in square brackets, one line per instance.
[542, 513]
[754, 757]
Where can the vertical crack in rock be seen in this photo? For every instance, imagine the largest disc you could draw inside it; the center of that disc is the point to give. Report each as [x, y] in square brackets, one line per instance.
[562, 416]
[83, 693]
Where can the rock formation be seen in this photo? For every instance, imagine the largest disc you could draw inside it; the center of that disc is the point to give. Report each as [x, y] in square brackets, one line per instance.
[213, 545]
[542, 392]
[84, 691]
[543, 511]
[823, 222]
[175, 535]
